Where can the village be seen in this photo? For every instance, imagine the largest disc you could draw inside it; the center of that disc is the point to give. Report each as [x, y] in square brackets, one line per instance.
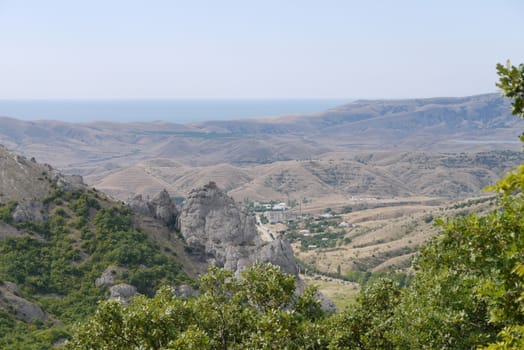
[309, 231]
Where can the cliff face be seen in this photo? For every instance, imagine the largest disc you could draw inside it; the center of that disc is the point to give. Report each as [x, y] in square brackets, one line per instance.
[161, 207]
[218, 231]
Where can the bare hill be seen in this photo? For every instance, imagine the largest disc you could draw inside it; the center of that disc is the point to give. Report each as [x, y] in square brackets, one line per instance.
[381, 238]
[473, 123]
[373, 148]
[376, 174]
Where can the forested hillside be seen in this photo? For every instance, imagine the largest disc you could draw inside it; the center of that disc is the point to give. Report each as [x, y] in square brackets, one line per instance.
[64, 248]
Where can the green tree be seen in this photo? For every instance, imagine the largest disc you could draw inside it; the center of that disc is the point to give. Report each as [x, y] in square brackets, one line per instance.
[511, 187]
[511, 81]
[258, 311]
[469, 285]
[366, 325]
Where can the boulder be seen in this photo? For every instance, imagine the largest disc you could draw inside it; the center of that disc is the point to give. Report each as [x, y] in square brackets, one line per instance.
[10, 299]
[12, 288]
[29, 211]
[139, 205]
[278, 252]
[69, 182]
[185, 291]
[122, 292]
[107, 278]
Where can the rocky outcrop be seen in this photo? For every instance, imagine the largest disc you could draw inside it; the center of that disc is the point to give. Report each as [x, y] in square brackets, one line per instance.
[185, 291]
[278, 252]
[108, 277]
[7, 230]
[12, 301]
[29, 211]
[122, 292]
[69, 182]
[325, 303]
[161, 207]
[223, 234]
[24, 180]
[139, 205]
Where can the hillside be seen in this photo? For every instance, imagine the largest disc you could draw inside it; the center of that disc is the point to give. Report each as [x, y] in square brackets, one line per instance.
[380, 236]
[476, 123]
[334, 177]
[64, 247]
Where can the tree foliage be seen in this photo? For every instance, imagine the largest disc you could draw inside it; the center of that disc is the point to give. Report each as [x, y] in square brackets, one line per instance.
[255, 312]
[56, 262]
[511, 82]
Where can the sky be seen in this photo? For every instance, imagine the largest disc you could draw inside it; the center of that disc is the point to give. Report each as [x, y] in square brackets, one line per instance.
[285, 49]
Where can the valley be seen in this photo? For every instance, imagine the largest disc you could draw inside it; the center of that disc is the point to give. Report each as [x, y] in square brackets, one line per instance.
[337, 199]
[370, 236]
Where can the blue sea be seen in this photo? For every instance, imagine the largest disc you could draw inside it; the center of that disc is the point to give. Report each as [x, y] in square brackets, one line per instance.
[176, 111]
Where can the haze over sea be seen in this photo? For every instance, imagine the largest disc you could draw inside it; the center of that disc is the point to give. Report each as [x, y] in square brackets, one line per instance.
[175, 111]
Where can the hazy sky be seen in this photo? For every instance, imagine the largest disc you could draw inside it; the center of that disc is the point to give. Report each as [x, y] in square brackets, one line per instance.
[91, 49]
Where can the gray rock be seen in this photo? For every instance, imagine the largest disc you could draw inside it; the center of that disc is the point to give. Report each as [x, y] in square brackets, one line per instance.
[68, 182]
[278, 252]
[122, 292]
[139, 205]
[107, 278]
[161, 207]
[7, 230]
[325, 303]
[185, 291]
[25, 310]
[221, 233]
[29, 211]
[11, 287]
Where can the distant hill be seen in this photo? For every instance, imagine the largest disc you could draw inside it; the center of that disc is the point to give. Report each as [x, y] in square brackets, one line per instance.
[445, 124]
[256, 158]
[383, 174]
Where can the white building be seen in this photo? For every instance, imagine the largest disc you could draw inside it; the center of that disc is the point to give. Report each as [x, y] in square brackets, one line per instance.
[280, 206]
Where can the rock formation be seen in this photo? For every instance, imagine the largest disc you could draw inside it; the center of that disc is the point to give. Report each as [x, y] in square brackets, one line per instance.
[29, 211]
[24, 180]
[109, 276]
[185, 291]
[160, 207]
[224, 235]
[122, 292]
[11, 299]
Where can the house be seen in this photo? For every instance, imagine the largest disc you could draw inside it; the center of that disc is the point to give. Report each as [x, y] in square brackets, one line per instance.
[279, 207]
[275, 216]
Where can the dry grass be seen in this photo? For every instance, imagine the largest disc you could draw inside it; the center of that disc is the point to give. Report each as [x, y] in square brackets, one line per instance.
[385, 238]
[342, 294]
[338, 182]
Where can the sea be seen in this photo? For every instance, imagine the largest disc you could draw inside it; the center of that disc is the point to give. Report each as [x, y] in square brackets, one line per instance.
[175, 111]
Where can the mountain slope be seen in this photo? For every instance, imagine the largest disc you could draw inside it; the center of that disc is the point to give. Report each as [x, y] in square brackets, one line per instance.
[376, 174]
[475, 123]
[64, 247]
